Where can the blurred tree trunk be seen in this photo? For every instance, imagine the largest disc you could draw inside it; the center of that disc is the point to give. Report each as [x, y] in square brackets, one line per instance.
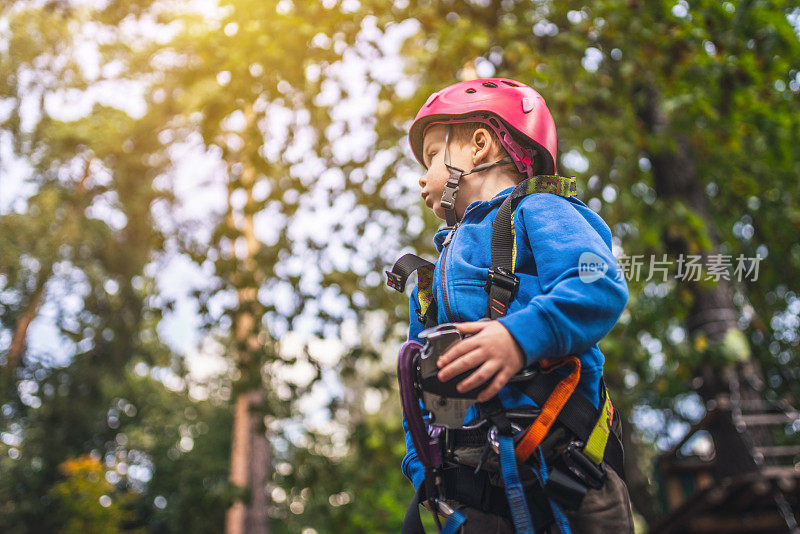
[712, 320]
[249, 458]
[249, 449]
[259, 473]
[17, 348]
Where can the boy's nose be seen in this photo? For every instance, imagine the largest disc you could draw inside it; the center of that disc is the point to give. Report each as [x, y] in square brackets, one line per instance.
[422, 180]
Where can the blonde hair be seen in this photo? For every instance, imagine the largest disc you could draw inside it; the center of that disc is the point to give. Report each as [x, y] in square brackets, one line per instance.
[462, 133]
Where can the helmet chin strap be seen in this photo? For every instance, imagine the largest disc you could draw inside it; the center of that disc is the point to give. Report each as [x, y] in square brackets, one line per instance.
[451, 187]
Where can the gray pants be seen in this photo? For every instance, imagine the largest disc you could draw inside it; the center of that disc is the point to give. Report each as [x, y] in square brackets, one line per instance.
[603, 510]
[606, 510]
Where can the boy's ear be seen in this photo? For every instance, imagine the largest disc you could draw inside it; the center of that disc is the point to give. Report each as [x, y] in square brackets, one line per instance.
[482, 145]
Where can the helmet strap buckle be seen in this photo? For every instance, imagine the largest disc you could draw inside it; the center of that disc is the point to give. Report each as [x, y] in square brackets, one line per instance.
[450, 192]
[451, 187]
[448, 203]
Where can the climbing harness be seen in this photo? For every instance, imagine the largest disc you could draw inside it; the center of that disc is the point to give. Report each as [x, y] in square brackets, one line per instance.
[510, 439]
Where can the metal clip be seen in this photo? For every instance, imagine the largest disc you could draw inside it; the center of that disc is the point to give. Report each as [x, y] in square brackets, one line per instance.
[492, 436]
[582, 467]
[445, 509]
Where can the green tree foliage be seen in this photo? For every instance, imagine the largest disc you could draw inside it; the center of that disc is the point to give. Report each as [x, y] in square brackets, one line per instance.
[363, 491]
[108, 159]
[77, 248]
[159, 446]
[184, 443]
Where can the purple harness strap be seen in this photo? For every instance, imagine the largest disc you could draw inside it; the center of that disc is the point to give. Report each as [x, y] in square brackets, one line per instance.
[426, 444]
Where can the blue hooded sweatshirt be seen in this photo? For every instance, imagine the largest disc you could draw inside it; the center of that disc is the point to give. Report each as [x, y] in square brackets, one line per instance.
[570, 295]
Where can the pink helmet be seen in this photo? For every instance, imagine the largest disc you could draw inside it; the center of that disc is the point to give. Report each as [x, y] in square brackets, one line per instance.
[523, 112]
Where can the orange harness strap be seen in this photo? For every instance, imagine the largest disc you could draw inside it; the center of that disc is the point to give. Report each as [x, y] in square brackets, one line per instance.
[552, 407]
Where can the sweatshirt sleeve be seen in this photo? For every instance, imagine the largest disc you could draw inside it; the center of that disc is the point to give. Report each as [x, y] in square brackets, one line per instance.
[583, 290]
[411, 466]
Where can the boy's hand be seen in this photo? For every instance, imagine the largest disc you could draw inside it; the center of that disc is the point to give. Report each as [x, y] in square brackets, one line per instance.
[492, 348]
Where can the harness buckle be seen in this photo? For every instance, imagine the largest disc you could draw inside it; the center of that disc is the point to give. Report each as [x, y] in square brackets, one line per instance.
[582, 467]
[500, 276]
[395, 281]
[493, 438]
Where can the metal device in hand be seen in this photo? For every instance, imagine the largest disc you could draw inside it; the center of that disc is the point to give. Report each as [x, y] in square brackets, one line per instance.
[446, 404]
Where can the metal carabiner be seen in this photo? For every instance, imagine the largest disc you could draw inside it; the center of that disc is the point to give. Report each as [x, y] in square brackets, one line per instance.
[493, 440]
[445, 509]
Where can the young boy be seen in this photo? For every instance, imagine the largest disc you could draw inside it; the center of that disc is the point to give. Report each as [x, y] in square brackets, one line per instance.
[478, 140]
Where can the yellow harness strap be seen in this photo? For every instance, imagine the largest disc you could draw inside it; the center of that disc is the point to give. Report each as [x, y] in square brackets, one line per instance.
[596, 444]
[424, 288]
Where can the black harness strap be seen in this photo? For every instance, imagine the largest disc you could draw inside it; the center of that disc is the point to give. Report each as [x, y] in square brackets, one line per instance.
[402, 269]
[398, 276]
[501, 283]
[412, 522]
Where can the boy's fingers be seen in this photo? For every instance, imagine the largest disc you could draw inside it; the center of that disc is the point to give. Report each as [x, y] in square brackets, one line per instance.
[479, 376]
[494, 388]
[465, 345]
[466, 362]
[457, 350]
[471, 327]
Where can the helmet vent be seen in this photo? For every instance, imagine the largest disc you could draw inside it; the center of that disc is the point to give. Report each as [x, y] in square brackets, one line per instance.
[511, 84]
[489, 84]
[527, 105]
[431, 99]
[471, 90]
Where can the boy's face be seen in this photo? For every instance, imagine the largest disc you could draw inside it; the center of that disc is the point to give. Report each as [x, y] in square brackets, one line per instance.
[435, 178]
